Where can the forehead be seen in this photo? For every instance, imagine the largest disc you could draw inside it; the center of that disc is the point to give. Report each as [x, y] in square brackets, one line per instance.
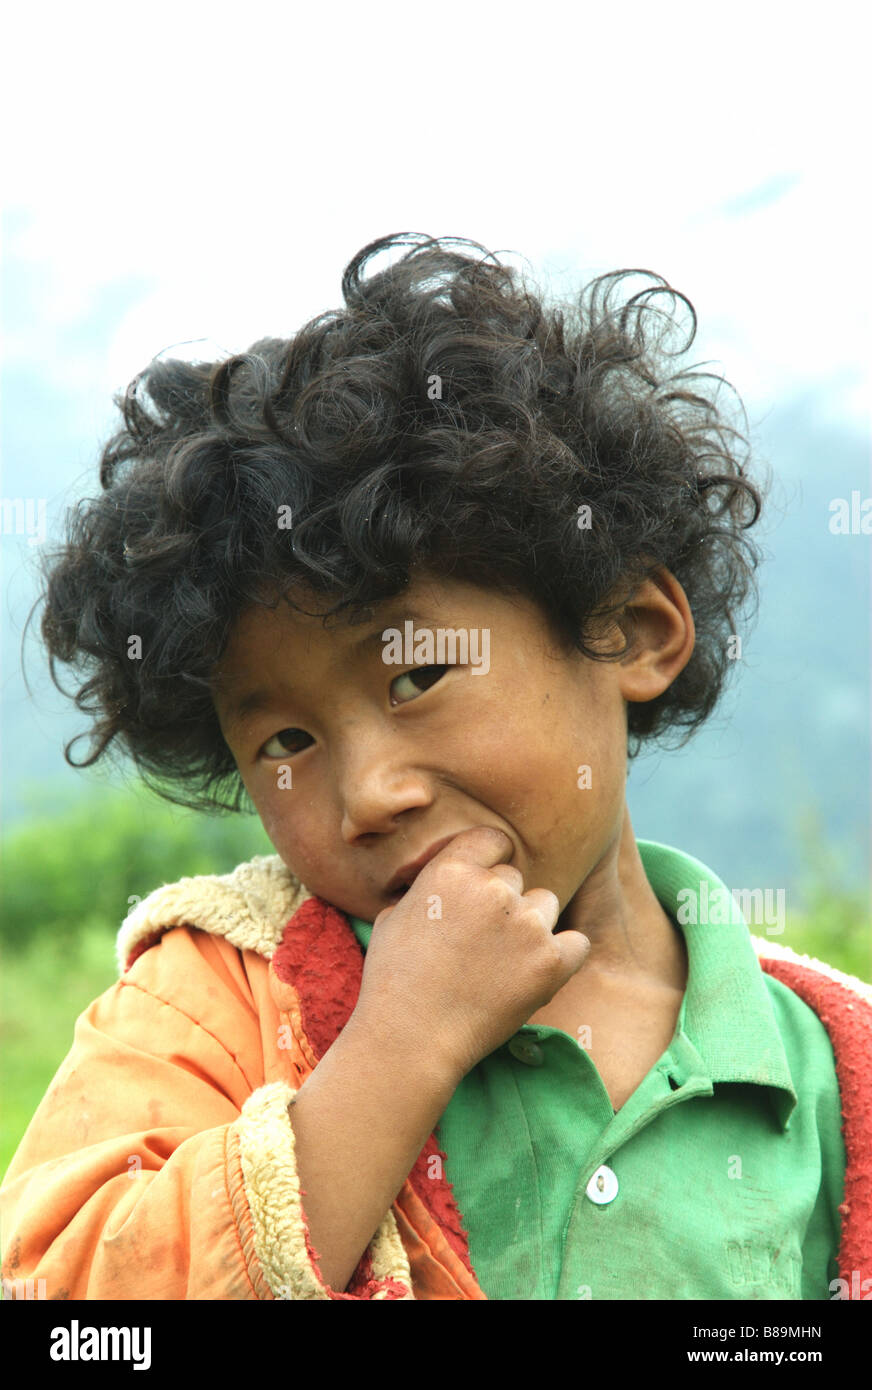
[427, 601]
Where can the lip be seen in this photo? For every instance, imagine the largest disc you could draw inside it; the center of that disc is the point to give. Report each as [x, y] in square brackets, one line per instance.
[402, 878]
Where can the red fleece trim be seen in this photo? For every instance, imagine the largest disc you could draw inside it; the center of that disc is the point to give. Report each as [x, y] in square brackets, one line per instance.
[361, 1284]
[142, 946]
[848, 1021]
[322, 958]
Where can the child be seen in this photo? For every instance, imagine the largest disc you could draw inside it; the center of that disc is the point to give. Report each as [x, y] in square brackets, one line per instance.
[416, 585]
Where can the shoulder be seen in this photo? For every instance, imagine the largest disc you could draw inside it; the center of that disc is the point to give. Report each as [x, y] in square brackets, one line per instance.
[802, 986]
[809, 976]
[247, 907]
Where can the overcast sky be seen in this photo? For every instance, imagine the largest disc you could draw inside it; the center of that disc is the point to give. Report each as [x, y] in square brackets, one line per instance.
[232, 159]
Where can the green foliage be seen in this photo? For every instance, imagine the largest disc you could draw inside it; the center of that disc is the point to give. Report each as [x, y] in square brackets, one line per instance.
[88, 864]
[67, 884]
[43, 989]
[837, 932]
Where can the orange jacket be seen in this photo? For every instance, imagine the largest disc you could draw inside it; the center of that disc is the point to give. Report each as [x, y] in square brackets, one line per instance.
[160, 1162]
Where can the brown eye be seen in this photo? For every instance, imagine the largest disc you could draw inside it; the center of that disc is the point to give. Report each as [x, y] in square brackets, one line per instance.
[291, 736]
[420, 678]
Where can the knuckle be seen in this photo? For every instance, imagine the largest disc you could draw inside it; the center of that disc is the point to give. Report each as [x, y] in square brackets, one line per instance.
[454, 869]
[509, 874]
[496, 887]
[538, 912]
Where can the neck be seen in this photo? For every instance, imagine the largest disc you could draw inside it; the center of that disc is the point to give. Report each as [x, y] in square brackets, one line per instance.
[631, 935]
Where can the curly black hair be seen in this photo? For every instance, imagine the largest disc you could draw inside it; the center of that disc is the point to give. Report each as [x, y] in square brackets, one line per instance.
[445, 422]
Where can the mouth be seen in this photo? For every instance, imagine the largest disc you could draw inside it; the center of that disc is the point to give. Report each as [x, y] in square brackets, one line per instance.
[405, 876]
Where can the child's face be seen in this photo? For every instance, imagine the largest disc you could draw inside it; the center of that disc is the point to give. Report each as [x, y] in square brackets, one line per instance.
[382, 766]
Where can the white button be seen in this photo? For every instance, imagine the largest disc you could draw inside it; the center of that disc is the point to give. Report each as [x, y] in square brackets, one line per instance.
[603, 1186]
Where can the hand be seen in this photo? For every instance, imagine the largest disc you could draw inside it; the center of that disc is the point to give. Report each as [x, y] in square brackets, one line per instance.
[462, 983]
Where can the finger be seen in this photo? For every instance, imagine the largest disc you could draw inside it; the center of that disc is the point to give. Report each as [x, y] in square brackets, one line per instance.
[574, 948]
[546, 903]
[484, 845]
[510, 875]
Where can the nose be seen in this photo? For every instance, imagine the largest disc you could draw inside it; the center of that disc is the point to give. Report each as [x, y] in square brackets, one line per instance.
[377, 782]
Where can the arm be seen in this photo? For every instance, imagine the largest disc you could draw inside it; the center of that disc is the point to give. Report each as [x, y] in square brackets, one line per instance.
[360, 1121]
[160, 1164]
[121, 1186]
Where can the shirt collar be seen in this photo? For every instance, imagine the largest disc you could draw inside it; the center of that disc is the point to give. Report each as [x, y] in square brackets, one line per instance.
[726, 1028]
[726, 1016]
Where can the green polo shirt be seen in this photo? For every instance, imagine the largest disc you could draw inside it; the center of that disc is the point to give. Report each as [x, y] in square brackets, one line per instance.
[719, 1178]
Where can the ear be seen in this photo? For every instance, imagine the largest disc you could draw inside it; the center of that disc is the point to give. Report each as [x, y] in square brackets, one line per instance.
[659, 626]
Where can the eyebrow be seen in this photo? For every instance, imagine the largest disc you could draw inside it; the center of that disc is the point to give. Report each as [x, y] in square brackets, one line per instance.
[260, 699]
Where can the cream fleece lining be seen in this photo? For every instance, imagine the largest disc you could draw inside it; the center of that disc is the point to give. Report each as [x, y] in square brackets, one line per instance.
[266, 1143]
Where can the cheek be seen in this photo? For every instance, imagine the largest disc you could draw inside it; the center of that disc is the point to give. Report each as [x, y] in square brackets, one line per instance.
[561, 762]
[304, 854]
[508, 758]
[293, 830]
